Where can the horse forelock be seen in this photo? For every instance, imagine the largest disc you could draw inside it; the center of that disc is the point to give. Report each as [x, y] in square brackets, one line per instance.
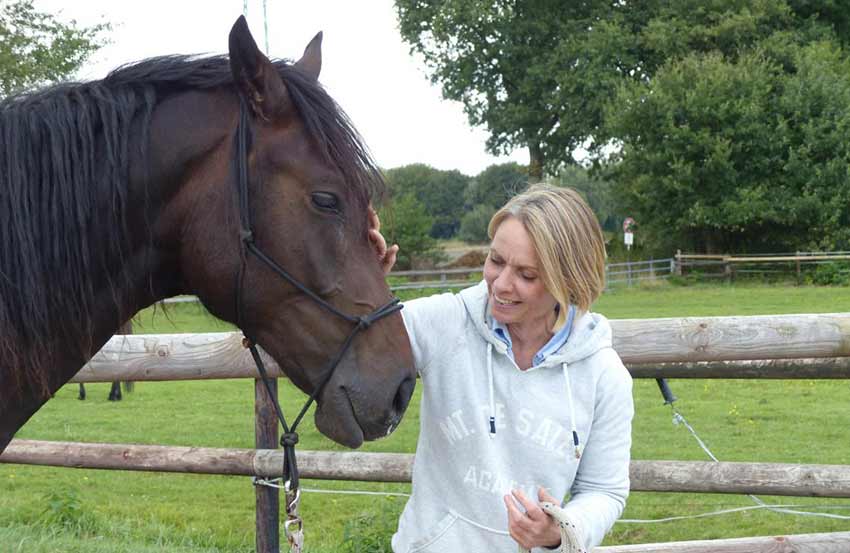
[66, 154]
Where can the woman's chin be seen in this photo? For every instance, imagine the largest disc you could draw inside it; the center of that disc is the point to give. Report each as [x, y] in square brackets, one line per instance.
[505, 314]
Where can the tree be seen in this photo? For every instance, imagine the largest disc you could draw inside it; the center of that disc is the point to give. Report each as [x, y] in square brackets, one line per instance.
[473, 226]
[439, 192]
[597, 192]
[405, 222]
[496, 57]
[36, 48]
[538, 73]
[495, 185]
[740, 153]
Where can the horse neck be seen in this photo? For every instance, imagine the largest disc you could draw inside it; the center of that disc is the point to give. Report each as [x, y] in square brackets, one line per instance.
[186, 132]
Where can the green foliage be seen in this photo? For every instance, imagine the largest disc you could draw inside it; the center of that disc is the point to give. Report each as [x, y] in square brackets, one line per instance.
[473, 226]
[495, 185]
[503, 61]
[438, 192]
[539, 74]
[405, 222]
[64, 510]
[597, 192]
[836, 273]
[36, 48]
[371, 532]
[744, 154]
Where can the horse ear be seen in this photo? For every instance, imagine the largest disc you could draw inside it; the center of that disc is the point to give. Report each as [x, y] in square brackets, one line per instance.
[311, 62]
[255, 76]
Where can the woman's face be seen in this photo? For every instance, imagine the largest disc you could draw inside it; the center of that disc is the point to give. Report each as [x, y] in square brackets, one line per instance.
[517, 293]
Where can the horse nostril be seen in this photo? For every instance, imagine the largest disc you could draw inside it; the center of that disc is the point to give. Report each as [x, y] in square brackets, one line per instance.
[403, 395]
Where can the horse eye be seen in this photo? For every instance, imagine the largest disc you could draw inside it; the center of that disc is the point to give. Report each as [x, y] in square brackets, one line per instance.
[325, 201]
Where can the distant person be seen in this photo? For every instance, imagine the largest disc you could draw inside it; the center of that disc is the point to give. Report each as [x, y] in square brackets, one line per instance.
[523, 400]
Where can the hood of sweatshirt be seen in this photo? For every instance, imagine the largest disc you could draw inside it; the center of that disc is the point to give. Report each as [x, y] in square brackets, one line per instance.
[590, 333]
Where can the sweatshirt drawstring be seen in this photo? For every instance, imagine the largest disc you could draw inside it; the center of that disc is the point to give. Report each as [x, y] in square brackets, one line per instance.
[576, 443]
[492, 396]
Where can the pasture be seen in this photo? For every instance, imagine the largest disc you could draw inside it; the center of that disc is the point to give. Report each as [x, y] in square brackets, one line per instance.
[47, 509]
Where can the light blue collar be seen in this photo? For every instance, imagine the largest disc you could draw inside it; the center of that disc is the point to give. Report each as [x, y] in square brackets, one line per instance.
[553, 345]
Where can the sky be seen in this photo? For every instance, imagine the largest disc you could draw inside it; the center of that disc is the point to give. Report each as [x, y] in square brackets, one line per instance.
[365, 65]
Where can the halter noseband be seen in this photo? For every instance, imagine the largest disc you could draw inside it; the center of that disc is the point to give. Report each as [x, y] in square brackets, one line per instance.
[246, 239]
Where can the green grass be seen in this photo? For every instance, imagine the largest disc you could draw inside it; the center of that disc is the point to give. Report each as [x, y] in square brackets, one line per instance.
[45, 509]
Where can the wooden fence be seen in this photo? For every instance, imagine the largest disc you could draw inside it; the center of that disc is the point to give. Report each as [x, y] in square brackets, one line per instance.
[788, 346]
[728, 266]
[629, 273]
[626, 273]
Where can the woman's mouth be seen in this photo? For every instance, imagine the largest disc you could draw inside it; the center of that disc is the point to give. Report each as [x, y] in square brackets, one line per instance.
[503, 302]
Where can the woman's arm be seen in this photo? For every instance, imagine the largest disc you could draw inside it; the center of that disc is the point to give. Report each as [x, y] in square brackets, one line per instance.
[601, 486]
[425, 319]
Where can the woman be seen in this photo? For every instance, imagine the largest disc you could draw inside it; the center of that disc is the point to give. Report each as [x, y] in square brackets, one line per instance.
[523, 400]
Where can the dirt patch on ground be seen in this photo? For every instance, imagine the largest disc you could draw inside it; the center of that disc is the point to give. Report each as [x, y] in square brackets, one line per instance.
[472, 257]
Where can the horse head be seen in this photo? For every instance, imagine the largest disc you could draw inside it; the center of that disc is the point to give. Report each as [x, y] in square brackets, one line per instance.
[305, 199]
[156, 181]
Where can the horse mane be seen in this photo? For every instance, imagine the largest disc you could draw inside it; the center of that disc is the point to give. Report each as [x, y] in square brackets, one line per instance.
[67, 150]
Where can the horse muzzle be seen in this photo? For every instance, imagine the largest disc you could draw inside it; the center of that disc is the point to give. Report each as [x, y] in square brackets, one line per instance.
[363, 409]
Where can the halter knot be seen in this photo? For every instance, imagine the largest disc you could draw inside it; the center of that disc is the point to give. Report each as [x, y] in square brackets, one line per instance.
[246, 235]
[289, 439]
[364, 322]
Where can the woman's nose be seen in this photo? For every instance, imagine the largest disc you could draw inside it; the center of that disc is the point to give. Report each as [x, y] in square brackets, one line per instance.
[503, 280]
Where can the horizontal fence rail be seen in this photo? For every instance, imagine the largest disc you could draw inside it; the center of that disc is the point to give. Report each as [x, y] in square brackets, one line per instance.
[649, 476]
[803, 369]
[772, 346]
[835, 542]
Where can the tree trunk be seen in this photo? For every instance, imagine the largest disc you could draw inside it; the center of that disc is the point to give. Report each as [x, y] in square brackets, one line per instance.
[535, 162]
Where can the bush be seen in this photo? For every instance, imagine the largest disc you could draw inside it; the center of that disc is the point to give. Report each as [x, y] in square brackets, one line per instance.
[405, 222]
[473, 225]
[830, 274]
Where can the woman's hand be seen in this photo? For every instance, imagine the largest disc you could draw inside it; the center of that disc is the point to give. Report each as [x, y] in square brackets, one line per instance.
[386, 256]
[533, 528]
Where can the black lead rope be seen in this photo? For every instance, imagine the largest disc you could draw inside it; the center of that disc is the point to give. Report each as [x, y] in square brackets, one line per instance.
[289, 437]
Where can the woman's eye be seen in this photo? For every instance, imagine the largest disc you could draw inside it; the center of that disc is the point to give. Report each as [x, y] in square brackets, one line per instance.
[325, 201]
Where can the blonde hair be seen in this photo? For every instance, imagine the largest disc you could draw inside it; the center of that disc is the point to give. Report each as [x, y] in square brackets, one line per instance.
[568, 242]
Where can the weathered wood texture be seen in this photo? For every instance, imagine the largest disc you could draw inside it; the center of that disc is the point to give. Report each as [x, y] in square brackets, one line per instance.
[658, 476]
[146, 357]
[741, 478]
[638, 341]
[806, 369]
[732, 338]
[267, 499]
[836, 542]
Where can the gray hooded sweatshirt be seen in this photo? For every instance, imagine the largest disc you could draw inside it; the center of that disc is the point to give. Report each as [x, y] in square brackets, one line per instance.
[488, 427]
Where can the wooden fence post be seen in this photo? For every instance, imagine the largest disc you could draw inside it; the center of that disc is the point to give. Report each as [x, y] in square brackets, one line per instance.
[799, 279]
[267, 499]
[678, 271]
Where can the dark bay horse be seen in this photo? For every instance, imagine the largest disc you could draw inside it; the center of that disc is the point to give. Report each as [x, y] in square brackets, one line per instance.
[117, 193]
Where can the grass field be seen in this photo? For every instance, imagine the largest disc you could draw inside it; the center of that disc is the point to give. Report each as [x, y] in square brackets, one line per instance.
[46, 510]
